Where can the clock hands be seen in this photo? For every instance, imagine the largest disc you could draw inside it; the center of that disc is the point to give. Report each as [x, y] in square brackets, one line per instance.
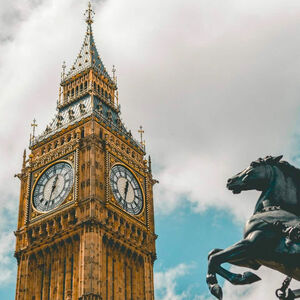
[52, 189]
[126, 189]
[53, 186]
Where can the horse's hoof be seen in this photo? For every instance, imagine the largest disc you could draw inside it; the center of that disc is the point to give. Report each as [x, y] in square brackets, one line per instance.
[249, 277]
[211, 279]
[216, 290]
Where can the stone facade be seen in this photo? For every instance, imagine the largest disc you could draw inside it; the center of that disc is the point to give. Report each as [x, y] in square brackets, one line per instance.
[88, 247]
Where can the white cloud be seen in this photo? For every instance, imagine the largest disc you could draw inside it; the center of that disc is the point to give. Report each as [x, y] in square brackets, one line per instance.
[214, 83]
[262, 290]
[165, 283]
[7, 266]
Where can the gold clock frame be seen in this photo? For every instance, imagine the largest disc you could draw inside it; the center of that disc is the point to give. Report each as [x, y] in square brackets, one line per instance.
[39, 176]
[137, 179]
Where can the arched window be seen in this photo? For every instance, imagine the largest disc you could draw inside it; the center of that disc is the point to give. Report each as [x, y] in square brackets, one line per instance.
[72, 93]
[85, 85]
[82, 132]
[101, 133]
[76, 91]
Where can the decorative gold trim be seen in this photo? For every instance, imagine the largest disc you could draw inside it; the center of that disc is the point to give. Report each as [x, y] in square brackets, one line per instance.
[137, 179]
[37, 179]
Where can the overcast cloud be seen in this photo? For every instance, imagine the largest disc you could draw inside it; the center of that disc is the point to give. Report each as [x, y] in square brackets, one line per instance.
[215, 84]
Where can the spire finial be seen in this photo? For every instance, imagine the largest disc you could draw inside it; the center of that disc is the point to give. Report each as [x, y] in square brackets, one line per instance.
[89, 13]
[149, 164]
[24, 159]
[114, 74]
[33, 125]
[63, 73]
[141, 131]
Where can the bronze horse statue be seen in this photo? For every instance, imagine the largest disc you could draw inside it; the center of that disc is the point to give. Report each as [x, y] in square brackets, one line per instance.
[271, 235]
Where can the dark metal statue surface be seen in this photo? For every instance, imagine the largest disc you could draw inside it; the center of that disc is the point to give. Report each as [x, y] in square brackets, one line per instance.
[271, 235]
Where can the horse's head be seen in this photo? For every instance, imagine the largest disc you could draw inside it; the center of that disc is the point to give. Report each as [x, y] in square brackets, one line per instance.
[256, 177]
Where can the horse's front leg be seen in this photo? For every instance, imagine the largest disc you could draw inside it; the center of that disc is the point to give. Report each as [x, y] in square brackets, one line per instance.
[238, 253]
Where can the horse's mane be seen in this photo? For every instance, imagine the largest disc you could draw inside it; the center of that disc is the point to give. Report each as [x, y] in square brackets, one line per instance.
[284, 166]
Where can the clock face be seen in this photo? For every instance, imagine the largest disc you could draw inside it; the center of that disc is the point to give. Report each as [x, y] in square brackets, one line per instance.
[126, 189]
[53, 187]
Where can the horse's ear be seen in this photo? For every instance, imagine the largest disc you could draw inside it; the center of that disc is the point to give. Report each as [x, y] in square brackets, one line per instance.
[269, 158]
[278, 158]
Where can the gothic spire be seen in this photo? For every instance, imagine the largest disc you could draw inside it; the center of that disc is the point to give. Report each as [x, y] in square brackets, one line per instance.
[89, 13]
[88, 57]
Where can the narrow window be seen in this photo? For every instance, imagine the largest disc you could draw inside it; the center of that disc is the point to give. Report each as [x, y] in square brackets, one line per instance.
[72, 268]
[64, 280]
[42, 280]
[113, 279]
[49, 285]
[125, 281]
[82, 132]
[106, 269]
[131, 292]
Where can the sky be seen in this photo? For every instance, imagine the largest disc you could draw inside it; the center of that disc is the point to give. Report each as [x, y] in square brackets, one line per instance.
[215, 85]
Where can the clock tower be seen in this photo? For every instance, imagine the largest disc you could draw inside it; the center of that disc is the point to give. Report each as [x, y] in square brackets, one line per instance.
[86, 220]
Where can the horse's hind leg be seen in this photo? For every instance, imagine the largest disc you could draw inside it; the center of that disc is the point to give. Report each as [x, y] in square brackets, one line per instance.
[237, 254]
[215, 258]
[252, 264]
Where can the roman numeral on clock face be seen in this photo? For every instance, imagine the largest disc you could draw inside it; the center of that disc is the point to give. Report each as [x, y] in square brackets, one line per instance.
[126, 189]
[53, 186]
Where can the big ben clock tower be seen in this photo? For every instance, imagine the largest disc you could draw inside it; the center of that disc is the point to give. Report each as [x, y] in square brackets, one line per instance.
[86, 221]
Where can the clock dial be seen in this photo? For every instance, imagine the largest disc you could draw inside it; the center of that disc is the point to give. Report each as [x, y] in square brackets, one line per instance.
[126, 189]
[53, 187]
